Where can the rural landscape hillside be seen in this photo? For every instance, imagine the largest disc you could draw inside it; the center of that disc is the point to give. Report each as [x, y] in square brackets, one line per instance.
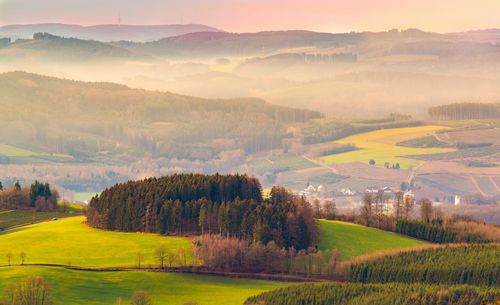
[249, 152]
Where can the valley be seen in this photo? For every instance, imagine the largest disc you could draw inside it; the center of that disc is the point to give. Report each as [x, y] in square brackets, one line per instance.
[256, 153]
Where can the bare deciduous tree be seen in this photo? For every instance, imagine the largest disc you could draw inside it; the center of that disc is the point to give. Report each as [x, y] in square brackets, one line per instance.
[139, 258]
[30, 291]
[22, 256]
[140, 298]
[161, 255]
[425, 209]
[9, 258]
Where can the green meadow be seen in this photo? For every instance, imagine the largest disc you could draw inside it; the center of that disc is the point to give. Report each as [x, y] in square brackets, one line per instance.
[70, 241]
[98, 288]
[354, 240]
[16, 218]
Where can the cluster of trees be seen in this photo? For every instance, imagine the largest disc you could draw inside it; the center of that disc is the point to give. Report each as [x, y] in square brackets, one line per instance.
[471, 264]
[9, 257]
[234, 255]
[358, 294]
[374, 213]
[465, 111]
[431, 226]
[39, 196]
[229, 205]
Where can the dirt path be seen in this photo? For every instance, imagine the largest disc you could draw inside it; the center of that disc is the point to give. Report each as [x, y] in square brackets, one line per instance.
[319, 164]
[477, 186]
[195, 270]
[494, 183]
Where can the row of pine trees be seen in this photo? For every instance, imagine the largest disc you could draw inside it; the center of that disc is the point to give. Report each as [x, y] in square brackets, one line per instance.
[477, 264]
[394, 294]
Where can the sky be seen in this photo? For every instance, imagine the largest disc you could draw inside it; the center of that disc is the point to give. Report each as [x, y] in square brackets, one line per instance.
[258, 15]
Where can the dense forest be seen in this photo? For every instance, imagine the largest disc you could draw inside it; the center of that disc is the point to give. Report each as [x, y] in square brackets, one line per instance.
[465, 111]
[39, 196]
[229, 205]
[472, 264]
[393, 294]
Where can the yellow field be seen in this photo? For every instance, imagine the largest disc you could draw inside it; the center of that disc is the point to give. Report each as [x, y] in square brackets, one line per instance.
[381, 146]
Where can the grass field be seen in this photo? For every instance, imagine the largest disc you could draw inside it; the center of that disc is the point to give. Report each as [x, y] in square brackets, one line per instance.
[98, 288]
[355, 240]
[12, 151]
[16, 218]
[70, 242]
[381, 146]
[84, 196]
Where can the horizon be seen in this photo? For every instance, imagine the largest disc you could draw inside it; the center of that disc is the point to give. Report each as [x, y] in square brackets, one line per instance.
[241, 16]
[228, 31]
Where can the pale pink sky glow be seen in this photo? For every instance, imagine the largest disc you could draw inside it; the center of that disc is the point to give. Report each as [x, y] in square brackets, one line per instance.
[258, 15]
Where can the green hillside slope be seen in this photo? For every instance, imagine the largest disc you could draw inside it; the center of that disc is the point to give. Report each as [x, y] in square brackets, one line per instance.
[355, 240]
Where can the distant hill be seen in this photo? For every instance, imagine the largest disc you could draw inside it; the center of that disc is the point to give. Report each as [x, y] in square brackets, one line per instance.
[206, 44]
[54, 47]
[108, 32]
[92, 121]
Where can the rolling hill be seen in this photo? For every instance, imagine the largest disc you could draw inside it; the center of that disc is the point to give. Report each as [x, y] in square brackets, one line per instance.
[98, 288]
[103, 120]
[70, 242]
[52, 47]
[105, 32]
[208, 44]
[353, 240]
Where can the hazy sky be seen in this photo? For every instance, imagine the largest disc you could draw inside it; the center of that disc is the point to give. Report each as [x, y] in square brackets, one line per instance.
[257, 15]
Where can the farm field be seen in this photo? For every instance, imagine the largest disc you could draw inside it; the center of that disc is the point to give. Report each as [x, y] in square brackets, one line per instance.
[381, 146]
[97, 288]
[15, 218]
[354, 240]
[17, 155]
[70, 242]
[279, 163]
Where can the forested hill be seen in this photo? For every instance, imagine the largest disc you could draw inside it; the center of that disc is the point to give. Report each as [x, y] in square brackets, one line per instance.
[231, 205]
[206, 44]
[87, 119]
[465, 111]
[51, 47]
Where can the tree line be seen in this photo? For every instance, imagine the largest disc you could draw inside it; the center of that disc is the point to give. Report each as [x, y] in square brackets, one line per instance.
[438, 232]
[465, 111]
[39, 196]
[430, 225]
[235, 255]
[358, 294]
[229, 205]
[471, 264]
